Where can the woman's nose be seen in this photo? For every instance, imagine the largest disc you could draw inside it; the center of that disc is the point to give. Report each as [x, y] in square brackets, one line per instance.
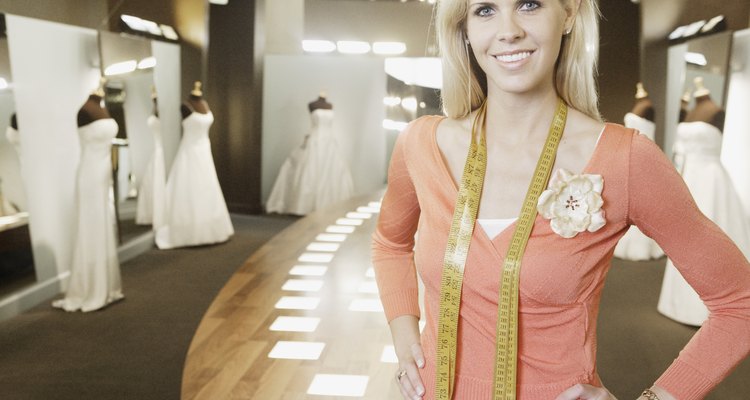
[508, 30]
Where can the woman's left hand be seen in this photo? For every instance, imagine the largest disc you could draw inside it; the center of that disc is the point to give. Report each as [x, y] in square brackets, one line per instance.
[583, 391]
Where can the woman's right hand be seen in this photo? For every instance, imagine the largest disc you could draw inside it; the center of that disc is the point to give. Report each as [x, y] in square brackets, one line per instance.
[406, 341]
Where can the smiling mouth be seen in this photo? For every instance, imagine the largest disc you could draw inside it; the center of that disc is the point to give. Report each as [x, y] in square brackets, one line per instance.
[508, 58]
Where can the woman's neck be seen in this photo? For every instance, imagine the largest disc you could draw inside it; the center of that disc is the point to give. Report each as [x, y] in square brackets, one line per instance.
[520, 117]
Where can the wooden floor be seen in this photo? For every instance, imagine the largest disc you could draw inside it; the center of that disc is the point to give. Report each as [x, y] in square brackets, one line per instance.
[231, 354]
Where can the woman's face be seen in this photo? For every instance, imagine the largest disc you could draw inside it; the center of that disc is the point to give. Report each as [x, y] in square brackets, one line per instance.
[517, 42]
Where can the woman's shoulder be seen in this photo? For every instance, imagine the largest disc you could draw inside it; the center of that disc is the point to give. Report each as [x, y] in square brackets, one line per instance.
[422, 128]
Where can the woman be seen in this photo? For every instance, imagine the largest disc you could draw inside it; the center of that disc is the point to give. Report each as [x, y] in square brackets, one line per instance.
[517, 58]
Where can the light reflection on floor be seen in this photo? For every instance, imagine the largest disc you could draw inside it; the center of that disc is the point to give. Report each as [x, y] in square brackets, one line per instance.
[338, 385]
[340, 229]
[303, 285]
[295, 324]
[316, 257]
[297, 350]
[318, 246]
[308, 270]
[297, 303]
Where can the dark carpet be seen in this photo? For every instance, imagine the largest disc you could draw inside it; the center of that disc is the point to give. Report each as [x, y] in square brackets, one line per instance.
[135, 348]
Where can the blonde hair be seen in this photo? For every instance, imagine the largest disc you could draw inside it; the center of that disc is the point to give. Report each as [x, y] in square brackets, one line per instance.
[575, 71]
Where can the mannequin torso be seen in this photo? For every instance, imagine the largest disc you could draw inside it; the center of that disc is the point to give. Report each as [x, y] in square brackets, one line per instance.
[320, 104]
[194, 104]
[644, 109]
[707, 111]
[91, 111]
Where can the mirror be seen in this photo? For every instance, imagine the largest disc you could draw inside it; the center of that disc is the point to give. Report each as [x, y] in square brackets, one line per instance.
[697, 66]
[128, 65]
[16, 261]
[707, 60]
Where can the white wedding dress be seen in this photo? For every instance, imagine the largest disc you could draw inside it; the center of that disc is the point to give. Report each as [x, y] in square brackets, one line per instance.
[152, 193]
[94, 271]
[315, 175]
[634, 245]
[697, 150]
[6, 207]
[196, 213]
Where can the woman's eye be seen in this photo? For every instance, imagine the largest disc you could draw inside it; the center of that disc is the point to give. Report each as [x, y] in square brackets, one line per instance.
[529, 5]
[483, 11]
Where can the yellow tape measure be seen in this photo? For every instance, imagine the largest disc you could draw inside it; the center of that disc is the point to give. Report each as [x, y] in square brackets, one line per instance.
[462, 227]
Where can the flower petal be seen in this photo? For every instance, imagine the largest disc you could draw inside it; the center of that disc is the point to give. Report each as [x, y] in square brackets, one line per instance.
[546, 203]
[562, 229]
[597, 181]
[597, 221]
[594, 202]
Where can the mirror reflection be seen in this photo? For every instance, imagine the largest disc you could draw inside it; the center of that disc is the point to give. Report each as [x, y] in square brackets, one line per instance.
[16, 261]
[128, 65]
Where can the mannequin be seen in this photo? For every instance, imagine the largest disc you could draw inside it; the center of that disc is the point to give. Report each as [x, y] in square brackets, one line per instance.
[93, 109]
[321, 103]
[705, 109]
[643, 106]
[315, 175]
[195, 102]
[684, 101]
[94, 279]
[195, 212]
[154, 100]
[152, 196]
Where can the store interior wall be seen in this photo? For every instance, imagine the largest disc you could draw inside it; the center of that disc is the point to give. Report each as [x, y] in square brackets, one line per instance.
[188, 17]
[85, 13]
[235, 92]
[736, 142]
[355, 85]
[373, 21]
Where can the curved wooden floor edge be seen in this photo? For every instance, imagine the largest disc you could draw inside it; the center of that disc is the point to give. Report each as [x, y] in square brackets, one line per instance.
[230, 356]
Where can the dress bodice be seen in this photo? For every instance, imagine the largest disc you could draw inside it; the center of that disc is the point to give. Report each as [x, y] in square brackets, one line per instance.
[644, 126]
[698, 138]
[322, 120]
[13, 137]
[97, 136]
[195, 126]
[154, 125]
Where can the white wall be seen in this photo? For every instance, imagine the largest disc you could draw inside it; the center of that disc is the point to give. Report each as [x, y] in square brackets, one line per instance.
[167, 79]
[373, 21]
[355, 86]
[735, 149]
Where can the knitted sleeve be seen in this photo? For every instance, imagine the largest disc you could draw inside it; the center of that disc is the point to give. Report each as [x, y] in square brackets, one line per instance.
[661, 205]
[393, 240]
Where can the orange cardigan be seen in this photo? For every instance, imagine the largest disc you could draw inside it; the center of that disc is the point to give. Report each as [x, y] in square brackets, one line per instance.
[561, 279]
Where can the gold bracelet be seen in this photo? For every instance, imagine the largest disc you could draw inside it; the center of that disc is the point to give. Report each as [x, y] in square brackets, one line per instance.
[649, 395]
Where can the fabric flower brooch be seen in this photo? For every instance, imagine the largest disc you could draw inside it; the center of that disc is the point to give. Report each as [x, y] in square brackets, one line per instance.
[573, 203]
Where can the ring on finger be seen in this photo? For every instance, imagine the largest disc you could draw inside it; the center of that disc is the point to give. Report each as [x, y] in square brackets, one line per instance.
[400, 374]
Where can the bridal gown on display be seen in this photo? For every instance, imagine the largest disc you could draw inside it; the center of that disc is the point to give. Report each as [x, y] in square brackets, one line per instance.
[314, 175]
[636, 246]
[152, 194]
[95, 271]
[196, 213]
[697, 150]
[6, 207]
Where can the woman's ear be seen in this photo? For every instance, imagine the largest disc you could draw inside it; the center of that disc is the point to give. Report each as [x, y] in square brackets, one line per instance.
[571, 11]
